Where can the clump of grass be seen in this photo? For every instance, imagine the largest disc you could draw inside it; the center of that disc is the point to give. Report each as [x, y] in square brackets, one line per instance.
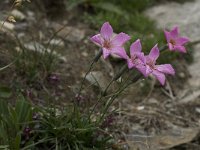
[34, 65]
[26, 126]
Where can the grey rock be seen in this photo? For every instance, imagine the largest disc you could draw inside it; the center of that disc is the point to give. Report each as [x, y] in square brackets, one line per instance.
[197, 110]
[97, 78]
[187, 17]
[194, 69]
[57, 42]
[34, 46]
[72, 34]
[18, 14]
[7, 26]
[165, 140]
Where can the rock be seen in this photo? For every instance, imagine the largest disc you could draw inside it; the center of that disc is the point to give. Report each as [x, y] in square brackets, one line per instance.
[167, 139]
[97, 78]
[194, 70]
[57, 42]
[21, 26]
[153, 101]
[191, 96]
[7, 25]
[69, 33]
[187, 17]
[18, 14]
[182, 75]
[31, 15]
[85, 54]
[34, 46]
[197, 110]
[140, 107]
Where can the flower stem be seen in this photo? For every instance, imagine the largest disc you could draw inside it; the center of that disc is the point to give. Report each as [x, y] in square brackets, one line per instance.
[103, 94]
[133, 80]
[118, 92]
[122, 70]
[163, 48]
[116, 77]
[7, 65]
[96, 58]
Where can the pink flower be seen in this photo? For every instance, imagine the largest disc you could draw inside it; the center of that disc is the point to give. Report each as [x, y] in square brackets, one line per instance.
[109, 43]
[137, 59]
[158, 71]
[176, 43]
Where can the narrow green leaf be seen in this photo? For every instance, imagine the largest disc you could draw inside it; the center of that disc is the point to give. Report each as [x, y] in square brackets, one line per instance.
[109, 7]
[5, 92]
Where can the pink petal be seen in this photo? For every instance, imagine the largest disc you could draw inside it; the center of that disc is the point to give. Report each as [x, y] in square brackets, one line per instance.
[136, 47]
[148, 70]
[142, 69]
[97, 39]
[166, 68]
[154, 53]
[167, 36]
[130, 63]
[106, 53]
[171, 47]
[141, 57]
[182, 40]
[120, 39]
[120, 51]
[174, 32]
[106, 31]
[180, 49]
[159, 76]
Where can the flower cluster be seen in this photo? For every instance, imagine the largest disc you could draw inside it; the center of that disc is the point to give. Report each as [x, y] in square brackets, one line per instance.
[146, 64]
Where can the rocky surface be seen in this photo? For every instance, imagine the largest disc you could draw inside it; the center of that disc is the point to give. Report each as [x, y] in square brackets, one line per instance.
[166, 118]
[187, 17]
[169, 139]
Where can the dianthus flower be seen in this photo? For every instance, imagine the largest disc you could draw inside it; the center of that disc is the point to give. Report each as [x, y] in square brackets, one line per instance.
[158, 71]
[175, 42]
[137, 59]
[110, 43]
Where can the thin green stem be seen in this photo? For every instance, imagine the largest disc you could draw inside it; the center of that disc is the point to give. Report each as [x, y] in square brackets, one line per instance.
[120, 90]
[163, 48]
[90, 68]
[96, 58]
[124, 68]
[134, 80]
[9, 64]
[116, 77]
[114, 94]
[119, 74]
[105, 91]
